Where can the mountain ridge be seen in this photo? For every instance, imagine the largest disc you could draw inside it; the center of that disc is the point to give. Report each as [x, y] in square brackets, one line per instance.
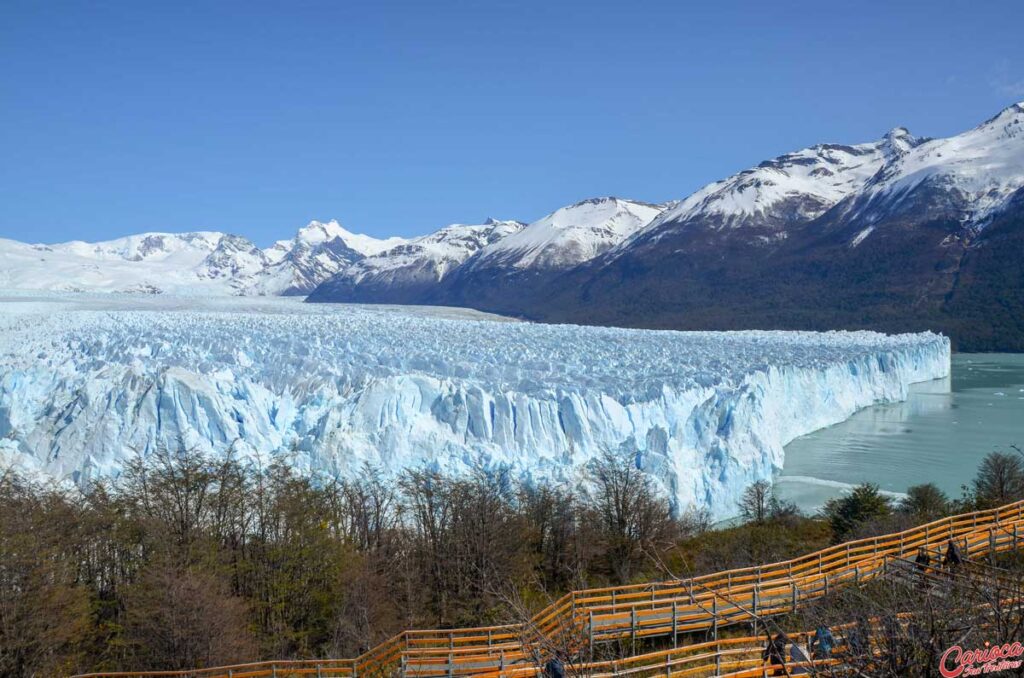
[897, 234]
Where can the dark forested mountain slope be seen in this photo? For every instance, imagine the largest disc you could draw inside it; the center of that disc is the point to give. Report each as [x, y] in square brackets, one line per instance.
[896, 235]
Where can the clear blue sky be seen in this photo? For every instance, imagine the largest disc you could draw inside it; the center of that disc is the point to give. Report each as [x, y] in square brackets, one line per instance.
[398, 118]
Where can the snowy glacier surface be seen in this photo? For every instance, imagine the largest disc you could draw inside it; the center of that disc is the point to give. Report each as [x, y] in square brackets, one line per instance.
[86, 383]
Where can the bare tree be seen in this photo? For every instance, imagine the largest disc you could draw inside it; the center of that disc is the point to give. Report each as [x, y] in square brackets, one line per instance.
[1000, 480]
[631, 514]
[756, 502]
[181, 619]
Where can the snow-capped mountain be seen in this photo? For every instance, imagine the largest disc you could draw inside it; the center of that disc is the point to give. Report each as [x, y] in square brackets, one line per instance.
[503, 277]
[899, 234]
[791, 189]
[188, 263]
[410, 271]
[459, 263]
[568, 236]
[970, 177]
[147, 262]
[316, 253]
[903, 233]
[319, 233]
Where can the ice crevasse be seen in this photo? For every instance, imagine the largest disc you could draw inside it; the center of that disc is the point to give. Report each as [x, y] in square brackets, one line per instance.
[335, 389]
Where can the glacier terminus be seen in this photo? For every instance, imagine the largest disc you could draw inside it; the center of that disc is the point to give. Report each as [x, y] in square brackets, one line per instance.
[87, 382]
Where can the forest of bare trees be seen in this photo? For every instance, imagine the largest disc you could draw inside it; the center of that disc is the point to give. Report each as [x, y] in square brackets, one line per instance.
[187, 561]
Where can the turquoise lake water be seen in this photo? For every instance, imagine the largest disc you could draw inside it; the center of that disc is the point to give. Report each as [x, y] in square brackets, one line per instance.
[938, 435]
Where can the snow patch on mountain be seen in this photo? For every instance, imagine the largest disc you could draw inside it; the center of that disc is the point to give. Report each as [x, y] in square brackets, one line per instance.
[317, 233]
[85, 387]
[980, 168]
[137, 263]
[429, 258]
[570, 235]
[204, 262]
[792, 188]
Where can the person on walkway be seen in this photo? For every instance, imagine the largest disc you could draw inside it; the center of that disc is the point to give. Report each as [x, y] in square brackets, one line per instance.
[953, 557]
[554, 668]
[858, 639]
[775, 652]
[923, 560]
[800, 660]
[822, 643]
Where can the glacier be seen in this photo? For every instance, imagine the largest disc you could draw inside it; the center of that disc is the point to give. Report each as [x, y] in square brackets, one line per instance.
[87, 382]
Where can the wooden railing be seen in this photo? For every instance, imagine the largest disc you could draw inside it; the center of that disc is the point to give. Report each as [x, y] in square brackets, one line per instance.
[638, 611]
[733, 656]
[743, 657]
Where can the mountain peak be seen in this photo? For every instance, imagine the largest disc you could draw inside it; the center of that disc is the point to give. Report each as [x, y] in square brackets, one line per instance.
[600, 200]
[1008, 113]
[318, 232]
[898, 133]
[899, 140]
[1008, 121]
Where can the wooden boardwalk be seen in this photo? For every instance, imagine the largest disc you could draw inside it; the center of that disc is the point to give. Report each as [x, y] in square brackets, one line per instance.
[584, 619]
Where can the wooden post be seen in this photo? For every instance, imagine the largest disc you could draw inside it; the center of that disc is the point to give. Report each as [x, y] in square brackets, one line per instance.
[753, 624]
[675, 625]
[793, 584]
[632, 627]
[590, 631]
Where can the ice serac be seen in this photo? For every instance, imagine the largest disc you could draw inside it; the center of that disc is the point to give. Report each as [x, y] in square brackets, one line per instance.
[84, 387]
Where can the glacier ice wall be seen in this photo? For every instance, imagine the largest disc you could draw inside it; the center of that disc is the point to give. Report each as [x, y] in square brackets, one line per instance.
[84, 387]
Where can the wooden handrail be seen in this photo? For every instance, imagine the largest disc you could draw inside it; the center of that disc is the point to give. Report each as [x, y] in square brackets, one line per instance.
[858, 560]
